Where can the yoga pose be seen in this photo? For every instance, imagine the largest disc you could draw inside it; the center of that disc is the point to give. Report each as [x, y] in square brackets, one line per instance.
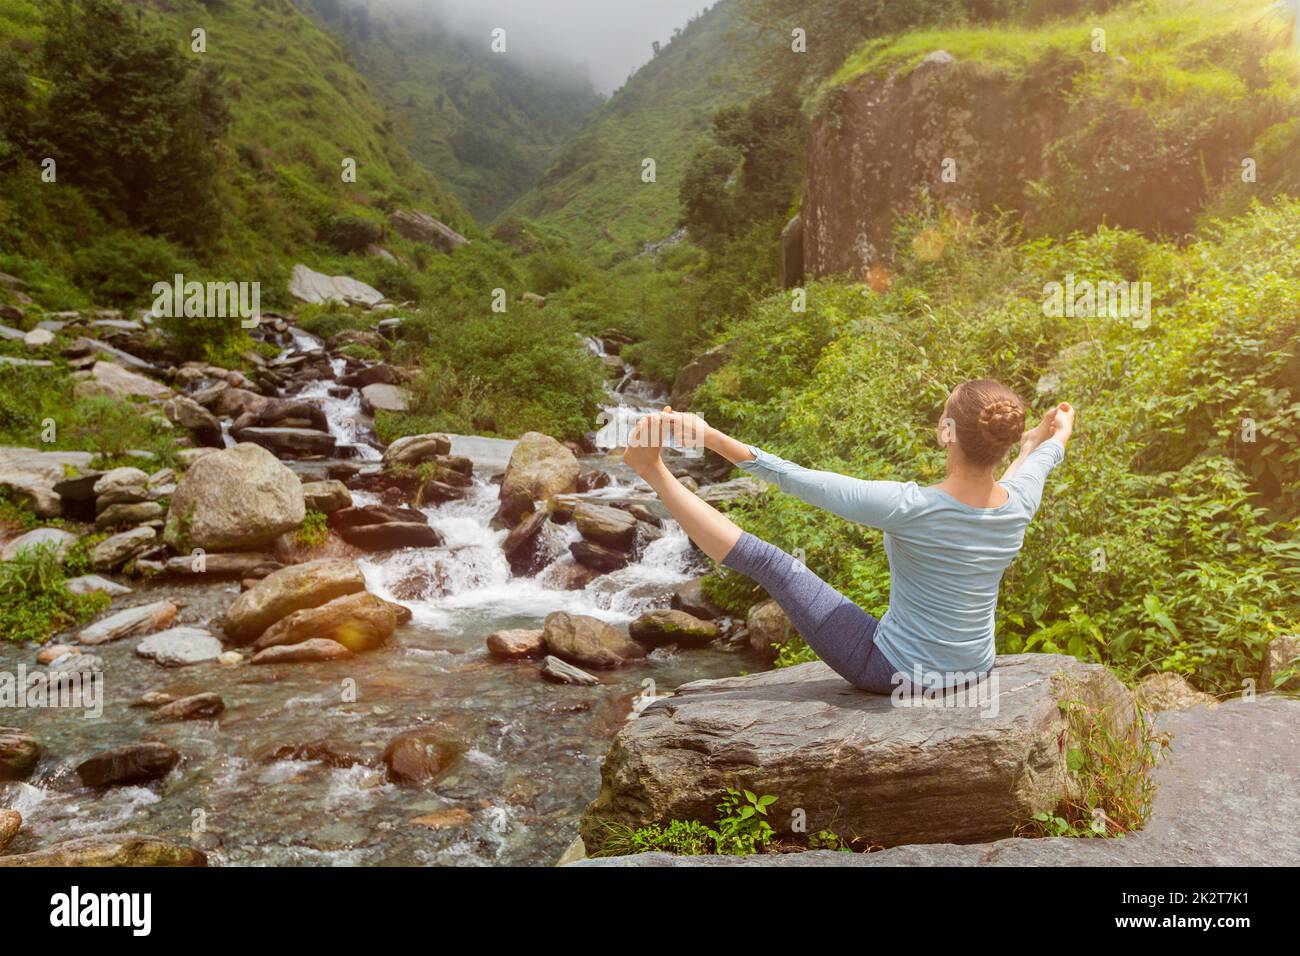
[947, 544]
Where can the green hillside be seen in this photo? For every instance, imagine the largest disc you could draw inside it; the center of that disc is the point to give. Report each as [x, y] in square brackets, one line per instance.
[594, 192]
[296, 109]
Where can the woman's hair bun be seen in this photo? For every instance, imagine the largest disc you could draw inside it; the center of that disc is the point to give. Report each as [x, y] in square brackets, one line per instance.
[1002, 422]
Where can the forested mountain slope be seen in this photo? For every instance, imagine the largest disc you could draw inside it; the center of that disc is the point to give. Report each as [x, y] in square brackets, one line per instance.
[487, 125]
[234, 152]
[594, 191]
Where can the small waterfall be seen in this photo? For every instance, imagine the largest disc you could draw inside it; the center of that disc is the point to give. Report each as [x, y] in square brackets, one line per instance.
[469, 577]
[347, 422]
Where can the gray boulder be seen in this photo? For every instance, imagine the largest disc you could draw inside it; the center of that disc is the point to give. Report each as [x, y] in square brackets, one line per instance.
[56, 538]
[132, 622]
[1232, 773]
[540, 467]
[237, 499]
[180, 646]
[885, 773]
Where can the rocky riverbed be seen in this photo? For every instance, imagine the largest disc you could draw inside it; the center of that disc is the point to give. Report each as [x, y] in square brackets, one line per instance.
[435, 681]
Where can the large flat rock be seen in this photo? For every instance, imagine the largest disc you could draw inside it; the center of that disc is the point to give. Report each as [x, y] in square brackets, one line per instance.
[1225, 797]
[874, 771]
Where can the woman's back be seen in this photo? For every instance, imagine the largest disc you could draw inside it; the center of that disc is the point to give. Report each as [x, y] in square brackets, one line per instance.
[946, 557]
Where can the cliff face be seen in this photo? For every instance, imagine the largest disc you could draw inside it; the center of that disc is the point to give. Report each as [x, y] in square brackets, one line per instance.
[967, 135]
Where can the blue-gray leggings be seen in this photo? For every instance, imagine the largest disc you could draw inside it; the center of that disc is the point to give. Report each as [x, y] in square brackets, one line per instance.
[839, 631]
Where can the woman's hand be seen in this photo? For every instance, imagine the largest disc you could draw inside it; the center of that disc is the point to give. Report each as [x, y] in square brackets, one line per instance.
[682, 429]
[1040, 432]
[1063, 422]
[643, 446]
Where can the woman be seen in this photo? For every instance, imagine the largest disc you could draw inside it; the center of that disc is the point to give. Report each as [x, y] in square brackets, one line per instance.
[948, 544]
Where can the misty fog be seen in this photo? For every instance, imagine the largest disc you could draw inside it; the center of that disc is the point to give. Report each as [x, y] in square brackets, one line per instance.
[611, 38]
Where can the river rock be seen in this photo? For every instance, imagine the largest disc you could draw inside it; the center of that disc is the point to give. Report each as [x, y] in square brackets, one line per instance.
[317, 288]
[194, 707]
[420, 756]
[540, 467]
[234, 564]
[1170, 691]
[55, 538]
[384, 398]
[30, 476]
[326, 496]
[672, 627]
[767, 626]
[560, 672]
[290, 589]
[115, 551]
[598, 557]
[129, 515]
[516, 643]
[581, 639]
[179, 646]
[612, 527]
[305, 652]
[19, 753]
[689, 597]
[360, 622]
[379, 374]
[120, 486]
[1281, 657]
[886, 772]
[227, 402]
[131, 622]
[290, 442]
[10, 822]
[237, 499]
[288, 412]
[54, 652]
[569, 575]
[193, 417]
[133, 763]
[113, 381]
[416, 449]
[90, 583]
[390, 535]
[115, 850]
[526, 547]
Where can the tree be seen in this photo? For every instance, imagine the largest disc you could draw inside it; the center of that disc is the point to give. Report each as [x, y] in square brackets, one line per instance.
[132, 120]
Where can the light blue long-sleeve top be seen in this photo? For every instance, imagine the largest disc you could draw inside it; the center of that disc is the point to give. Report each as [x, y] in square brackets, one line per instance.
[946, 558]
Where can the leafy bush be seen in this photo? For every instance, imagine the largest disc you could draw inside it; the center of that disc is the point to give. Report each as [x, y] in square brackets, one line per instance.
[313, 531]
[112, 429]
[35, 602]
[499, 374]
[350, 233]
[121, 268]
[741, 830]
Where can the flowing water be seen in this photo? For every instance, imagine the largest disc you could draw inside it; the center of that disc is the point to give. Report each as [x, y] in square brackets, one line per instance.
[290, 773]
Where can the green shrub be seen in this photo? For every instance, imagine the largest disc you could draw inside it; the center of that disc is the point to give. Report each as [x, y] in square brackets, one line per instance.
[35, 602]
[741, 830]
[313, 532]
[121, 268]
[350, 233]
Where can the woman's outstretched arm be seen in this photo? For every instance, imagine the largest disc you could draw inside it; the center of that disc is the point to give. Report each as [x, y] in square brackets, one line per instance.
[866, 502]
